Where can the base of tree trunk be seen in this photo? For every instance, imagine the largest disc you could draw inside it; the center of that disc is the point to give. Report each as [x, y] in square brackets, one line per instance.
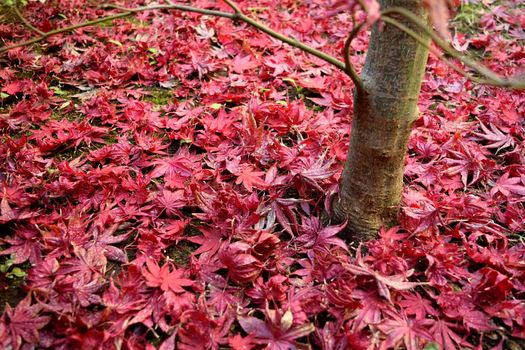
[372, 180]
[384, 111]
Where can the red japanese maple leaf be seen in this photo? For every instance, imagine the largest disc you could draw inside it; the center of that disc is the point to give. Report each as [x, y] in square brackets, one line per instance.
[240, 63]
[181, 164]
[164, 277]
[237, 342]
[317, 237]
[416, 305]
[442, 333]
[210, 241]
[383, 282]
[497, 138]
[278, 332]
[24, 322]
[402, 329]
[171, 201]
[250, 178]
[507, 185]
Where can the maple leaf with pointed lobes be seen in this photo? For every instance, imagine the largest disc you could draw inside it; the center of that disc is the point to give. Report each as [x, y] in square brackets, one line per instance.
[316, 237]
[171, 201]
[237, 342]
[104, 240]
[442, 333]
[240, 63]
[507, 185]
[24, 322]
[181, 164]
[399, 328]
[383, 282]
[497, 138]
[416, 305]
[278, 332]
[164, 277]
[210, 241]
[469, 160]
[250, 178]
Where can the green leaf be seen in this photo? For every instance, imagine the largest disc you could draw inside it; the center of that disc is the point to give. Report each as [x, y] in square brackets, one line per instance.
[18, 272]
[58, 91]
[290, 80]
[216, 106]
[4, 95]
[116, 42]
[431, 346]
[6, 265]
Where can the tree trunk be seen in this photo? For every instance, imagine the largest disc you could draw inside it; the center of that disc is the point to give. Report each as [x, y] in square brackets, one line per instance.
[384, 112]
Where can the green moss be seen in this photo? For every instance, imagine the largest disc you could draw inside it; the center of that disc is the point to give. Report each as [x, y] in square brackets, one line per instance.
[181, 252]
[69, 154]
[12, 281]
[158, 96]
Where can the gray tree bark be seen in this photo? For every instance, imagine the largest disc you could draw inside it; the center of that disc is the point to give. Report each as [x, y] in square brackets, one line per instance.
[384, 112]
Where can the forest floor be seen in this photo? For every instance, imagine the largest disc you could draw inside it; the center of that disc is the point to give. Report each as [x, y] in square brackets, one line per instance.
[163, 178]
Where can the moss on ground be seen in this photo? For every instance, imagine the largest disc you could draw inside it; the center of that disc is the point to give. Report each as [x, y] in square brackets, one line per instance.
[158, 96]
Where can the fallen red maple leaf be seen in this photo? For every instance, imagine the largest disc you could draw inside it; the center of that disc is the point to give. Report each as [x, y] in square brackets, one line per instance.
[166, 277]
[250, 178]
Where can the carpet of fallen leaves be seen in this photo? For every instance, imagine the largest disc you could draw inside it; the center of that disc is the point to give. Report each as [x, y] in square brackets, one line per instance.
[163, 179]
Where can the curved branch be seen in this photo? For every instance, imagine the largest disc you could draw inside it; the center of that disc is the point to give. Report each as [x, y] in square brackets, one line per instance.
[233, 6]
[430, 48]
[171, 6]
[238, 15]
[489, 76]
[292, 42]
[350, 70]
[25, 21]
[63, 30]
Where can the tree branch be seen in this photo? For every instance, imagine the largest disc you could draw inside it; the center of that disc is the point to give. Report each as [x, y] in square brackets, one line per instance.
[348, 64]
[63, 30]
[171, 6]
[490, 77]
[234, 7]
[292, 42]
[237, 15]
[25, 21]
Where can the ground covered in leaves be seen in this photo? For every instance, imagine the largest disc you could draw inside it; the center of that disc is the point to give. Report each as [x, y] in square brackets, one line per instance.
[163, 179]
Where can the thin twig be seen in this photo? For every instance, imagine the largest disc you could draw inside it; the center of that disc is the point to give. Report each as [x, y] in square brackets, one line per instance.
[292, 42]
[63, 30]
[242, 17]
[128, 11]
[25, 21]
[490, 77]
[171, 6]
[234, 7]
[350, 70]
[430, 48]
